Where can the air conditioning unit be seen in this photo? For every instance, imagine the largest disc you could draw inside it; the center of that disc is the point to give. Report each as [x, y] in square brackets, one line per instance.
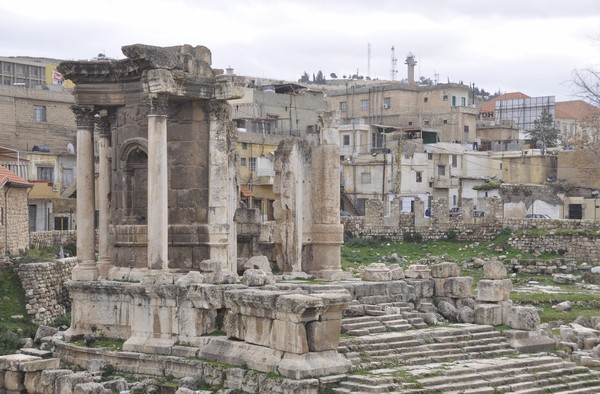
[386, 106]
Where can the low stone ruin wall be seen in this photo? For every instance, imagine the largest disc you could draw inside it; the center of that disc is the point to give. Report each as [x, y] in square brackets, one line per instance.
[584, 248]
[44, 284]
[41, 239]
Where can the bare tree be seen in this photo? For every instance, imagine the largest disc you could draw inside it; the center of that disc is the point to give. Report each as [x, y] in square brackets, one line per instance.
[586, 83]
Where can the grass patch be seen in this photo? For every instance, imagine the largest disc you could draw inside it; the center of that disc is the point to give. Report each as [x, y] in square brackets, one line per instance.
[111, 344]
[14, 321]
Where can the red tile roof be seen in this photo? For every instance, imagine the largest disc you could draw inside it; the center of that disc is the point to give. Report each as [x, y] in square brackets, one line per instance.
[490, 105]
[7, 176]
[575, 109]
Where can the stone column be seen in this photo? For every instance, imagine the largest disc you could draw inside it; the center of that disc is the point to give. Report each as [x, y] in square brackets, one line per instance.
[86, 268]
[158, 215]
[103, 125]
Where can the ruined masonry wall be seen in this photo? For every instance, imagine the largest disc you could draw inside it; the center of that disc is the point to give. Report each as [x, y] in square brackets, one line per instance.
[40, 239]
[579, 248]
[18, 221]
[43, 283]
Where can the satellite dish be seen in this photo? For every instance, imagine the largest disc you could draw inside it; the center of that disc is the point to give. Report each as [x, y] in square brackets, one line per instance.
[70, 148]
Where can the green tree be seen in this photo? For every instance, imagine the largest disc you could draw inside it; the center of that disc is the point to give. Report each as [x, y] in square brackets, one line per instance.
[305, 78]
[320, 78]
[544, 130]
[333, 75]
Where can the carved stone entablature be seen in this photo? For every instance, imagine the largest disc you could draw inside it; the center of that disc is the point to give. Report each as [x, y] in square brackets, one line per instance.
[157, 104]
[84, 115]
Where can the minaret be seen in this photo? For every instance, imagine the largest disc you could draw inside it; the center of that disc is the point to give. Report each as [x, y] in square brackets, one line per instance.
[411, 62]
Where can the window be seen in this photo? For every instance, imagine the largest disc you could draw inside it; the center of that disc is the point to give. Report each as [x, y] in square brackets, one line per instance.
[376, 140]
[39, 113]
[463, 101]
[410, 123]
[7, 81]
[253, 164]
[365, 178]
[45, 174]
[346, 140]
[426, 123]
[429, 156]
[466, 133]
[425, 99]
[441, 170]
[387, 102]
[243, 162]
[67, 176]
[20, 69]
[244, 145]
[7, 67]
[364, 105]
[445, 121]
[419, 176]
[445, 97]
[343, 106]
[454, 161]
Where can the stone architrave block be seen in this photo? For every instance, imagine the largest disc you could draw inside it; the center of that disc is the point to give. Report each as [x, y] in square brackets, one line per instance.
[493, 290]
[488, 314]
[257, 330]
[445, 270]
[458, 287]
[494, 270]
[524, 318]
[376, 272]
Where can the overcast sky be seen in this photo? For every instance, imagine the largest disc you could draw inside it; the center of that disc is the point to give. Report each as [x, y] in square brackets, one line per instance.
[530, 46]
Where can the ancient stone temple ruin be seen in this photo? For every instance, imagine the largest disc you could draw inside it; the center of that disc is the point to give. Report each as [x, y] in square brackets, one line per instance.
[166, 272]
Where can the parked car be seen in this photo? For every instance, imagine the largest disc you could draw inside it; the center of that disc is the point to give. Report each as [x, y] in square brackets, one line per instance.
[537, 216]
[456, 212]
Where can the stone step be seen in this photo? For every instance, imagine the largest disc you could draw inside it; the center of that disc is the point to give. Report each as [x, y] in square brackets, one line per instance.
[360, 325]
[551, 381]
[369, 384]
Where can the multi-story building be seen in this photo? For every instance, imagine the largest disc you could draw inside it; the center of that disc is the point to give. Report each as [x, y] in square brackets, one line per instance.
[38, 127]
[267, 113]
[391, 133]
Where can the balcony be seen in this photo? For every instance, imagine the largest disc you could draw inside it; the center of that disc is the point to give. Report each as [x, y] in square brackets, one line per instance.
[443, 182]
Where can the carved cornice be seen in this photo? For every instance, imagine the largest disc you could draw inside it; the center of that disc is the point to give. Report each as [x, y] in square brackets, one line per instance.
[84, 116]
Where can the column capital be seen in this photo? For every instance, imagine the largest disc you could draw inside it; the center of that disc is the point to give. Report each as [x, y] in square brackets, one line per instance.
[157, 104]
[84, 115]
[103, 124]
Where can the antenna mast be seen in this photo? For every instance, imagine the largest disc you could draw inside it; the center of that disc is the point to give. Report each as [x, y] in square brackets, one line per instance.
[393, 71]
[369, 59]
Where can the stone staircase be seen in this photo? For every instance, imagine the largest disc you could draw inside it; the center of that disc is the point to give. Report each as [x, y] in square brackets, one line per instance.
[379, 319]
[456, 359]
[435, 344]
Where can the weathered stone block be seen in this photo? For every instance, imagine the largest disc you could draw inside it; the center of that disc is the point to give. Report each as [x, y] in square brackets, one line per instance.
[458, 287]
[418, 271]
[289, 337]
[89, 388]
[493, 290]
[494, 270]
[65, 384]
[376, 272]
[323, 335]
[49, 378]
[466, 315]
[489, 314]
[12, 362]
[314, 364]
[258, 262]
[524, 318]
[445, 270]
[14, 381]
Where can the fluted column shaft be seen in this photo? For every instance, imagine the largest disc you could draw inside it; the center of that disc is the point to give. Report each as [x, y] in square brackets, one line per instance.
[104, 191]
[158, 218]
[86, 269]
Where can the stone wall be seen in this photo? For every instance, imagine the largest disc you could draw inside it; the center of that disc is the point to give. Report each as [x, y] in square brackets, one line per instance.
[40, 239]
[12, 233]
[577, 247]
[45, 293]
